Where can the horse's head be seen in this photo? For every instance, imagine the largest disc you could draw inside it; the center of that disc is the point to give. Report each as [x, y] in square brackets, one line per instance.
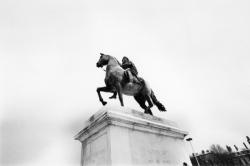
[103, 60]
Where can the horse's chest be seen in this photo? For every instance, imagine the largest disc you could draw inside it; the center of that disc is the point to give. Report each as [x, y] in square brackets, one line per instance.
[110, 79]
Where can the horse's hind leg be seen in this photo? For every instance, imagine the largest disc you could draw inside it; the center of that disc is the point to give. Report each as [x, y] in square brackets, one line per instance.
[103, 89]
[150, 105]
[141, 101]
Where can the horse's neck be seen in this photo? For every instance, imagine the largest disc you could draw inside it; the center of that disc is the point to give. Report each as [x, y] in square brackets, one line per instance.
[112, 64]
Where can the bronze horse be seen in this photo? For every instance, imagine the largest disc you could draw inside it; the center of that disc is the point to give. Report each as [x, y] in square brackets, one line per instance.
[115, 82]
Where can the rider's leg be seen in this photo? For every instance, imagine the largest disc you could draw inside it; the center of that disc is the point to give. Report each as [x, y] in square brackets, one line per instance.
[134, 79]
[130, 76]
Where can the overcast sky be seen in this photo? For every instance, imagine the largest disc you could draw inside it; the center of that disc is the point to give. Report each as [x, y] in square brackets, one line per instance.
[194, 54]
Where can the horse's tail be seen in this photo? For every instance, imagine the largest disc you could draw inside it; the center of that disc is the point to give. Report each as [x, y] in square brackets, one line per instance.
[156, 102]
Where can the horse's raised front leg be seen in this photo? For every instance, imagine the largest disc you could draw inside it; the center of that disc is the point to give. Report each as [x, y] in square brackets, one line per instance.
[103, 89]
[119, 91]
[113, 96]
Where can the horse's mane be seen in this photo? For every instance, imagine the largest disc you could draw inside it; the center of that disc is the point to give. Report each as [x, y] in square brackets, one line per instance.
[116, 60]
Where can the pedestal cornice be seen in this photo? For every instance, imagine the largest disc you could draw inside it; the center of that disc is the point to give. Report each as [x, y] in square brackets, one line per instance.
[129, 118]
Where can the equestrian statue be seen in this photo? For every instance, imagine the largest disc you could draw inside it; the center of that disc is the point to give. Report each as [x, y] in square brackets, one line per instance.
[123, 79]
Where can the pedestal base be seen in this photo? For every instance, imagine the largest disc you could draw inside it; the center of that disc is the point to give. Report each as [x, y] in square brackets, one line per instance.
[121, 136]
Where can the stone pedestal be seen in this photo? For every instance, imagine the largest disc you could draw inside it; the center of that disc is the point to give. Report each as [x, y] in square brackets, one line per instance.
[122, 136]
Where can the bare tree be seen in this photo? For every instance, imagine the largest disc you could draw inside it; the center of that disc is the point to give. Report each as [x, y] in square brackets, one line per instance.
[217, 149]
[222, 156]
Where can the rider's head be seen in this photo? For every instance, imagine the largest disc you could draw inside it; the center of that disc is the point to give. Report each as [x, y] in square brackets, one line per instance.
[125, 59]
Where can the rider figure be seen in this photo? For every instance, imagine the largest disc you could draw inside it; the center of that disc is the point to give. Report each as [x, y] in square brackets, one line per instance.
[130, 72]
[129, 67]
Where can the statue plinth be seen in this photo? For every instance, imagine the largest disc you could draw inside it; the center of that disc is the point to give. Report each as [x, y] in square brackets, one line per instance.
[122, 136]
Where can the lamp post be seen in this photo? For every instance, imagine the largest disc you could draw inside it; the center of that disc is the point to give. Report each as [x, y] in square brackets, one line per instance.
[189, 140]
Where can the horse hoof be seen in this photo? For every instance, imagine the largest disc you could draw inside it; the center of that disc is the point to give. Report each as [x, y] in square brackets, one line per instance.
[149, 112]
[104, 103]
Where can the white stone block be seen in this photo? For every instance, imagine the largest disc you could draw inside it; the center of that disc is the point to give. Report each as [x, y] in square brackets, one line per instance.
[122, 136]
